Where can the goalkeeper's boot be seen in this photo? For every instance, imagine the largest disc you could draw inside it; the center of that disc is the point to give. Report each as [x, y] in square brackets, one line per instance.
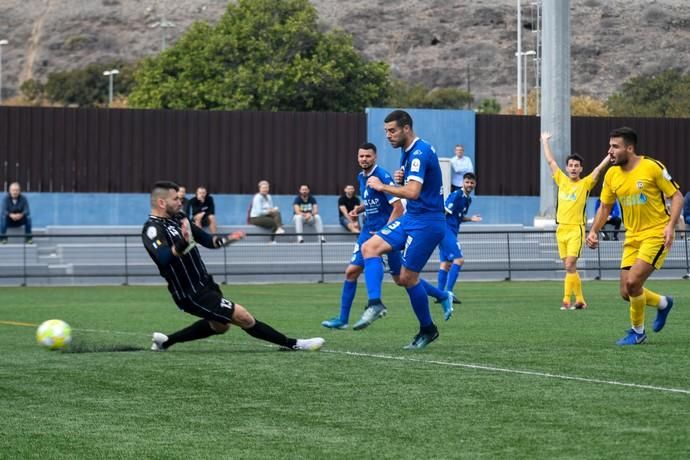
[158, 340]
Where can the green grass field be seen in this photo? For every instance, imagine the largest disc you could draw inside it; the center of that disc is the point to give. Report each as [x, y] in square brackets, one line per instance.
[511, 376]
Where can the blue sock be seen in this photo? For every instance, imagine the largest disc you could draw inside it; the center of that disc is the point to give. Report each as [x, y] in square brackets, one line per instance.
[420, 304]
[346, 298]
[442, 279]
[373, 274]
[453, 276]
[432, 291]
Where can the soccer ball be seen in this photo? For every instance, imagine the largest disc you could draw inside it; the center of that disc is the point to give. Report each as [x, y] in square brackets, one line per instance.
[54, 334]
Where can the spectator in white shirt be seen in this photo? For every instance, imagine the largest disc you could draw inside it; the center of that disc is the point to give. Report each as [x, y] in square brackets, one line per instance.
[263, 213]
[460, 165]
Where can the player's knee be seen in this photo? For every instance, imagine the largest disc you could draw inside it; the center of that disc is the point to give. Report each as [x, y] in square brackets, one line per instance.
[408, 279]
[219, 328]
[632, 286]
[445, 266]
[352, 272]
[212, 219]
[242, 317]
[459, 261]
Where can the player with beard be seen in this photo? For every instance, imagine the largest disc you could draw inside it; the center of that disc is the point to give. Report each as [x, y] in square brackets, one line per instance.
[641, 185]
[171, 239]
[379, 208]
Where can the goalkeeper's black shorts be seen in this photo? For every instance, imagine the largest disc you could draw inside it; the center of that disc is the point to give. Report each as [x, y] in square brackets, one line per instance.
[209, 303]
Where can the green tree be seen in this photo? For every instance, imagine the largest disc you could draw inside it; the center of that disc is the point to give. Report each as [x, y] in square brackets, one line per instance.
[489, 106]
[404, 94]
[32, 90]
[86, 87]
[261, 55]
[662, 95]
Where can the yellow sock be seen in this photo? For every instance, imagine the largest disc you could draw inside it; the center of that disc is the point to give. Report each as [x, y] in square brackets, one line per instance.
[577, 287]
[652, 298]
[567, 287]
[637, 305]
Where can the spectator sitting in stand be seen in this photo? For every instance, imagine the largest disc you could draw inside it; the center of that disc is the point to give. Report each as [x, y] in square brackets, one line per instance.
[15, 213]
[182, 193]
[202, 210]
[263, 213]
[306, 212]
[346, 203]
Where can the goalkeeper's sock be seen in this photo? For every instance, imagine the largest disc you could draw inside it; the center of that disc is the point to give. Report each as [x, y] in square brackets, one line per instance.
[199, 330]
[265, 332]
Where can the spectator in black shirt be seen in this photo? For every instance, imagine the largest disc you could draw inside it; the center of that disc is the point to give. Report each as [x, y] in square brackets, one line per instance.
[171, 240]
[202, 210]
[15, 213]
[346, 203]
[182, 193]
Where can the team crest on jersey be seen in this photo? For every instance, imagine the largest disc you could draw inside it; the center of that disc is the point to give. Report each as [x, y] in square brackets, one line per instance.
[151, 232]
[415, 165]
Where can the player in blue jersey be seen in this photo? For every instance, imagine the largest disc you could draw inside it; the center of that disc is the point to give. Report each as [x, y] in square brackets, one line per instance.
[416, 233]
[457, 206]
[379, 209]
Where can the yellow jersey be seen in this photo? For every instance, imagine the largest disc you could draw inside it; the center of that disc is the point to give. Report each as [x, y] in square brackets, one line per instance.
[572, 198]
[642, 194]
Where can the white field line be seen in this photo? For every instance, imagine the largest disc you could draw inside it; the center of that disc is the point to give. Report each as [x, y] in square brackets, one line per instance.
[434, 362]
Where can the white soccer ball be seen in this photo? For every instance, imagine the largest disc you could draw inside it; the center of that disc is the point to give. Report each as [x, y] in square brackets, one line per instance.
[54, 334]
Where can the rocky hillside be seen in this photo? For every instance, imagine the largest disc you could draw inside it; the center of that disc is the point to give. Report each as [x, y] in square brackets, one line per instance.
[434, 42]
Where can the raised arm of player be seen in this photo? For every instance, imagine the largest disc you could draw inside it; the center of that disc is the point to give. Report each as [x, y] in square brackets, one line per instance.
[596, 172]
[548, 153]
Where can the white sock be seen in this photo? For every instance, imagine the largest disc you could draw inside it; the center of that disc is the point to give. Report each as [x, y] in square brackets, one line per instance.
[638, 329]
[663, 302]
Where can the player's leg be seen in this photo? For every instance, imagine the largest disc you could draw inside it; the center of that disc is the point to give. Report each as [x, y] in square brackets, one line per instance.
[442, 277]
[653, 252]
[419, 245]
[458, 261]
[562, 242]
[347, 296]
[372, 250]
[575, 245]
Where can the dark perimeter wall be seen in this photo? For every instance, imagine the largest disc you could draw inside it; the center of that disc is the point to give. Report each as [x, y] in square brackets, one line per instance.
[122, 151]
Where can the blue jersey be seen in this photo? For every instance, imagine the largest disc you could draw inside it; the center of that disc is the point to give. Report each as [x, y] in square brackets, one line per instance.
[457, 207]
[377, 205]
[420, 163]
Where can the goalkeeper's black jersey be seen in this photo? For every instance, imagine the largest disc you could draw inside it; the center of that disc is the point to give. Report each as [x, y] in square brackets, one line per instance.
[187, 274]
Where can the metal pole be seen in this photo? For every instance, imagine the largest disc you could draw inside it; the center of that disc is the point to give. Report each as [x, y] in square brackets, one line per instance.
[519, 57]
[510, 272]
[2, 43]
[126, 265]
[110, 90]
[555, 100]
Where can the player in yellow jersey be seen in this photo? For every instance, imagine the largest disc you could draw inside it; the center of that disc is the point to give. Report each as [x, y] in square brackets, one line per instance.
[570, 217]
[641, 185]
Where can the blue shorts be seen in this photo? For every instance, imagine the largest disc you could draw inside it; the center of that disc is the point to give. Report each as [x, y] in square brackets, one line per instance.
[416, 238]
[450, 248]
[393, 258]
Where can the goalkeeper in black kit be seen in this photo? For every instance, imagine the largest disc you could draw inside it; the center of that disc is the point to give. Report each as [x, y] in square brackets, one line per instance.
[171, 240]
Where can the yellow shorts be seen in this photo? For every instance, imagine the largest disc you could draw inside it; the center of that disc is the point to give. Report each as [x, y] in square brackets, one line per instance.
[646, 247]
[570, 239]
